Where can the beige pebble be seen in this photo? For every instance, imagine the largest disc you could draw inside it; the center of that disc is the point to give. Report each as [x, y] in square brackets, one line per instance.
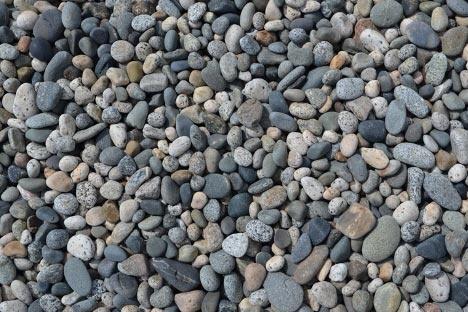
[189, 301]
[349, 144]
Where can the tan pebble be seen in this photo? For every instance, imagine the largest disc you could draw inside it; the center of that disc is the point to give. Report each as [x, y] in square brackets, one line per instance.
[111, 212]
[464, 208]
[200, 261]
[386, 271]
[432, 213]
[331, 193]
[82, 62]
[277, 251]
[132, 148]
[339, 60]
[130, 308]
[60, 181]
[15, 249]
[100, 85]
[88, 78]
[265, 37]
[117, 76]
[202, 94]
[134, 71]
[324, 270]
[23, 44]
[196, 79]
[356, 222]
[275, 263]
[312, 300]
[95, 216]
[349, 144]
[340, 157]
[445, 160]
[327, 106]
[310, 266]
[189, 301]
[246, 306]
[459, 270]
[254, 276]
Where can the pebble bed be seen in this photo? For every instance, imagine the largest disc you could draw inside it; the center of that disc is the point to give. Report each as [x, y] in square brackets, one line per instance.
[234, 155]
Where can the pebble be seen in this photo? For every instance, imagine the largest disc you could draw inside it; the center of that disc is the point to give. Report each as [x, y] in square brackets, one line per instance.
[181, 276]
[395, 118]
[258, 231]
[81, 247]
[438, 288]
[441, 190]
[382, 241]
[459, 143]
[432, 248]
[422, 35]
[349, 88]
[414, 155]
[77, 276]
[236, 245]
[24, 105]
[318, 230]
[8, 270]
[356, 221]
[283, 292]
[216, 186]
[386, 13]
[413, 102]
[387, 298]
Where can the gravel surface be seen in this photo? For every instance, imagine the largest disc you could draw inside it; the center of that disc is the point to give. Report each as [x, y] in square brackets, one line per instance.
[233, 155]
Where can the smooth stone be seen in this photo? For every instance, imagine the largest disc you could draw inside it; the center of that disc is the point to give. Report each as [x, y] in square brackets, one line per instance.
[259, 231]
[422, 35]
[7, 270]
[71, 15]
[236, 244]
[49, 25]
[442, 191]
[258, 89]
[372, 130]
[77, 276]
[283, 292]
[438, 288]
[382, 241]
[216, 186]
[459, 143]
[155, 82]
[356, 221]
[387, 298]
[302, 248]
[239, 205]
[386, 13]
[395, 118]
[181, 276]
[414, 155]
[432, 248]
[435, 69]
[313, 188]
[308, 269]
[460, 7]
[349, 88]
[212, 76]
[318, 229]
[413, 102]
[454, 40]
[283, 121]
[57, 65]
[48, 95]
